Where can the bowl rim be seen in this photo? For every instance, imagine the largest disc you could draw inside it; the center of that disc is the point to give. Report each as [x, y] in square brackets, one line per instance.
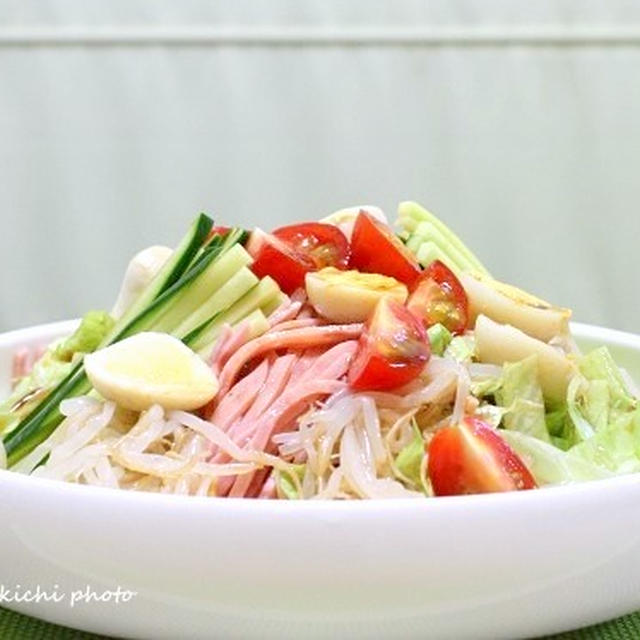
[20, 481]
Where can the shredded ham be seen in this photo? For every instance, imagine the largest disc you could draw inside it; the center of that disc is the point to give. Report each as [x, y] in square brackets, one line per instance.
[295, 338]
[215, 358]
[279, 375]
[299, 323]
[286, 311]
[268, 490]
[308, 357]
[240, 396]
[283, 400]
[233, 340]
[279, 389]
[320, 380]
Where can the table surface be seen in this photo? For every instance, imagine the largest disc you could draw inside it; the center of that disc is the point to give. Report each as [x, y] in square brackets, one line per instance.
[14, 626]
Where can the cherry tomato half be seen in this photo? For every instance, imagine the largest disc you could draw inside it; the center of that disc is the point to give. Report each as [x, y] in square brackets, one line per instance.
[471, 457]
[392, 351]
[376, 249]
[289, 253]
[325, 244]
[438, 297]
[275, 258]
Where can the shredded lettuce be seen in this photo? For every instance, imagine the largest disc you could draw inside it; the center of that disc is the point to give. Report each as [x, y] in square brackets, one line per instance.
[575, 407]
[596, 404]
[486, 387]
[491, 414]
[597, 397]
[461, 348]
[94, 327]
[30, 390]
[550, 465]
[560, 428]
[286, 485]
[521, 395]
[439, 338]
[615, 447]
[52, 367]
[595, 434]
[409, 460]
[599, 365]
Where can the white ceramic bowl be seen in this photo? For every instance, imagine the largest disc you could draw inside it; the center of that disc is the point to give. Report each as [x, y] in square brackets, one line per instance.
[491, 566]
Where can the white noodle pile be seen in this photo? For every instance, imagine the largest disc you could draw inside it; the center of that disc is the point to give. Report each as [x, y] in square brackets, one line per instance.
[153, 451]
[348, 446]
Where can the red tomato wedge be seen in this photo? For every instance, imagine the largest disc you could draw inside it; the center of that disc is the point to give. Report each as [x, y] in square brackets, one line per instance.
[376, 249]
[438, 297]
[392, 351]
[471, 457]
[325, 244]
[276, 258]
[289, 253]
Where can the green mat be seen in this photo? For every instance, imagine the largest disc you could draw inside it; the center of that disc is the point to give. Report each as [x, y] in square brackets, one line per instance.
[14, 626]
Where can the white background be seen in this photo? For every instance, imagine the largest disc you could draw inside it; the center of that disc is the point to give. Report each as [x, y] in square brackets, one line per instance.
[517, 122]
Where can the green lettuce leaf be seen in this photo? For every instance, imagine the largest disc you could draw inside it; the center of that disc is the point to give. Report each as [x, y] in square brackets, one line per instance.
[439, 338]
[599, 365]
[409, 460]
[31, 389]
[461, 348]
[52, 367]
[486, 386]
[615, 447]
[598, 398]
[286, 485]
[550, 465]
[94, 327]
[560, 428]
[491, 414]
[597, 403]
[521, 395]
[583, 429]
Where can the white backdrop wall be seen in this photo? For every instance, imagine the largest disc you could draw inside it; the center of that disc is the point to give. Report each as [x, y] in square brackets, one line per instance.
[517, 122]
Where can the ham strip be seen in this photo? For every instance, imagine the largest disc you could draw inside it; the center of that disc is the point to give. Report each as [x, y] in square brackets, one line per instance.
[307, 312]
[300, 338]
[299, 323]
[269, 490]
[220, 344]
[238, 337]
[284, 411]
[286, 311]
[242, 429]
[278, 377]
[258, 482]
[306, 360]
[235, 403]
[299, 295]
[321, 379]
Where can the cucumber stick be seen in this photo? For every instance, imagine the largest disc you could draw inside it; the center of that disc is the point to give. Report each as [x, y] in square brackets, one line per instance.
[232, 290]
[261, 295]
[198, 283]
[198, 274]
[428, 234]
[42, 421]
[420, 227]
[170, 273]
